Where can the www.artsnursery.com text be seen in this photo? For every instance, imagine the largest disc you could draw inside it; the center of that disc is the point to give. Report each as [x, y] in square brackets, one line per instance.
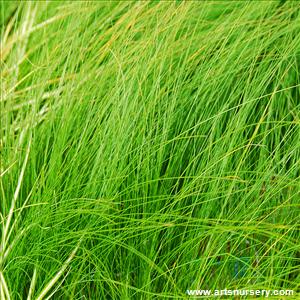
[240, 292]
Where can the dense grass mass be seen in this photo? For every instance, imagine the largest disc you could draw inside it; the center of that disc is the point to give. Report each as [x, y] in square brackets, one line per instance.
[149, 147]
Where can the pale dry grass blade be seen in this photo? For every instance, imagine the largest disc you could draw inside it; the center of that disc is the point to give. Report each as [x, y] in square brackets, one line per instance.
[32, 284]
[15, 197]
[4, 287]
[53, 281]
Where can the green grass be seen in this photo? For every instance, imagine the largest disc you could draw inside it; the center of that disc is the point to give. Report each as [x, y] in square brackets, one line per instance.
[148, 148]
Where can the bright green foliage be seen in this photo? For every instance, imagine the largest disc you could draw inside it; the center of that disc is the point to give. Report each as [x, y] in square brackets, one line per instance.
[149, 147]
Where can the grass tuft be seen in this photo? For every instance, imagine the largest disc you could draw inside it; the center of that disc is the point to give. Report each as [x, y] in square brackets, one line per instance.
[149, 148]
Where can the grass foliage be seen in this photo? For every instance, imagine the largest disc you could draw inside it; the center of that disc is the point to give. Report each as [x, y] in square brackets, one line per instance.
[148, 147]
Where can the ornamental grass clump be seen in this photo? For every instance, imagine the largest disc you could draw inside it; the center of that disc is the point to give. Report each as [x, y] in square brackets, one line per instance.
[149, 148]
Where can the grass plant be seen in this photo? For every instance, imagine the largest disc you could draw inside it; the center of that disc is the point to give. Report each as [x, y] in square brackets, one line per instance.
[149, 147]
